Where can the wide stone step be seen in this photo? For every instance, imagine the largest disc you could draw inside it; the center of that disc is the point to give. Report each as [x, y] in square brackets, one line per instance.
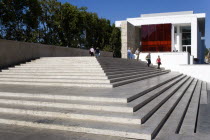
[55, 80]
[174, 122]
[147, 111]
[65, 113]
[55, 70]
[93, 127]
[189, 122]
[123, 82]
[74, 104]
[157, 120]
[204, 94]
[147, 97]
[123, 94]
[58, 66]
[54, 73]
[104, 85]
[52, 76]
[126, 73]
[133, 76]
[126, 69]
[68, 97]
[131, 91]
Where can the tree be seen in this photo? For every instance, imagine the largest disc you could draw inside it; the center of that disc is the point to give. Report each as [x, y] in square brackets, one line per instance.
[115, 41]
[50, 22]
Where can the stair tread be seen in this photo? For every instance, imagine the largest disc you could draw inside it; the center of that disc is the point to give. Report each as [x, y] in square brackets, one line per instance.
[53, 77]
[52, 80]
[122, 92]
[102, 116]
[85, 105]
[204, 94]
[136, 75]
[189, 122]
[160, 116]
[132, 131]
[123, 82]
[99, 85]
[145, 112]
[142, 100]
[174, 121]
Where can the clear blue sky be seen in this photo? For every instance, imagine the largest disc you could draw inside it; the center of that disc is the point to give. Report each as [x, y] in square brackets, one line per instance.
[121, 9]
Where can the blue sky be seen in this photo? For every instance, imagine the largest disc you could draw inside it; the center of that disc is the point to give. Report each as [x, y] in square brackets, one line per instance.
[121, 9]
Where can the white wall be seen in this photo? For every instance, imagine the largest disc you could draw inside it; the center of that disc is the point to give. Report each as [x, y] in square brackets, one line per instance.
[178, 61]
[199, 71]
[167, 58]
[190, 19]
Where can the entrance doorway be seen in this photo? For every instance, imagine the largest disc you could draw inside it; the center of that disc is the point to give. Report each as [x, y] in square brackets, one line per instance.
[186, 48]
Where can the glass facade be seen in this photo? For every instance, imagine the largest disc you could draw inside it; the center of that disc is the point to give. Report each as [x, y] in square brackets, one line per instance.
[156, 38]
[186, 35]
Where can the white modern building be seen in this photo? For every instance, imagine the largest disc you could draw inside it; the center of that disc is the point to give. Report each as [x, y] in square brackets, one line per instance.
[178, 37]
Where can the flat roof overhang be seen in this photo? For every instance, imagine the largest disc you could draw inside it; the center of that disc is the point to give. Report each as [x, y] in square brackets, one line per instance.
[175, 19]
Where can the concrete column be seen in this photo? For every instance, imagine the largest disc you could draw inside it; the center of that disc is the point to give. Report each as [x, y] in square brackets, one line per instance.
[179, 39]
[194, 37]
[191, 60]
[129, 37]
[124, 39]
[172, 39]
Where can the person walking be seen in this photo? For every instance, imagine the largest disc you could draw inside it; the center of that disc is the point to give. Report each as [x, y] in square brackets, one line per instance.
[92, 51]
[158, 62]
[137, 53]
[148, 58]
[97, 52]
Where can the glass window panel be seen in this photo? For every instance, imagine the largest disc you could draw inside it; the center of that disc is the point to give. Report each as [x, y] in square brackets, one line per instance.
[185, 29]
[156, 37]
[184, 49]
[189, 49]
[186, 36]
[186, 42]
[175, 29]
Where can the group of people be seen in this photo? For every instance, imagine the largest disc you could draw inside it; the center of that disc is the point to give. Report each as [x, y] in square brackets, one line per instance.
[94, 52]
[133, 56]
[148, 57]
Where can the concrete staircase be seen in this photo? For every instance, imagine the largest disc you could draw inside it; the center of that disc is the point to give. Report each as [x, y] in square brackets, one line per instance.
[78, 71]
[158, 106]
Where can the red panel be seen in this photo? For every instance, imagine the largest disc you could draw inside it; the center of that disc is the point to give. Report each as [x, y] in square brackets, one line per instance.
[156, 38]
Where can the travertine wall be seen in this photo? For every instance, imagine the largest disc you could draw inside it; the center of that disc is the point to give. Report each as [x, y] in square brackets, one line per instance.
[15, 52]
[130, 37]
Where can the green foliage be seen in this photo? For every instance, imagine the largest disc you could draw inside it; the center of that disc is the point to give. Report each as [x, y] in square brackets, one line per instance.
[50, 22]
[206, 51]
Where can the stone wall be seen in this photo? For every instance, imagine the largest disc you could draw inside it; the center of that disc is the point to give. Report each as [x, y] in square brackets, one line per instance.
[15, 52]
[130, 37]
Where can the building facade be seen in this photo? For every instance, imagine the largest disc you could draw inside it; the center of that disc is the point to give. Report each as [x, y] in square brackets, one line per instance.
[175, 32]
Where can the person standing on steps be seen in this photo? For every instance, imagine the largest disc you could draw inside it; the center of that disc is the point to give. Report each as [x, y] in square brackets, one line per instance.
[148, 58]
[137, 53]
[92, 51]
[158, 61]
[97, 52]
[129, 53]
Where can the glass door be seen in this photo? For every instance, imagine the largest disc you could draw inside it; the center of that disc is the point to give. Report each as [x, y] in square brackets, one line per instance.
[186, 48]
